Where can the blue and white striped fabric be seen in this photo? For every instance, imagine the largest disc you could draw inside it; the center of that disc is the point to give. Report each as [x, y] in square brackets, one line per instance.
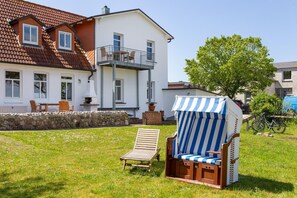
[207, 106]
[199, 158]
[201, 127]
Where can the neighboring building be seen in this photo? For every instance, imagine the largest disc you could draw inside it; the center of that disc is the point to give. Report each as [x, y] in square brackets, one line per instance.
[40, 57]
[49, 55]
[181, 89]
[285, 79]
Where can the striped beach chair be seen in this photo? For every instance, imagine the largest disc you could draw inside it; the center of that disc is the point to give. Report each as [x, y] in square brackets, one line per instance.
[205, 149]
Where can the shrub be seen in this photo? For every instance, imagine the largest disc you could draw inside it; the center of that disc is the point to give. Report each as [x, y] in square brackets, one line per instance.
[265, 103]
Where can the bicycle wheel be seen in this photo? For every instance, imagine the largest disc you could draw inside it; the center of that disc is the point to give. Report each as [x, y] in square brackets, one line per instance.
[279, 127]
[258, 126]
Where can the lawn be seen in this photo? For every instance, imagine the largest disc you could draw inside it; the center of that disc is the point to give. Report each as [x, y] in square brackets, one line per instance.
[85, 163]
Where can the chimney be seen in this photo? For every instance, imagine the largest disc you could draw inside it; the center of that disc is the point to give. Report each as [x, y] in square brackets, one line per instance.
[105, 10]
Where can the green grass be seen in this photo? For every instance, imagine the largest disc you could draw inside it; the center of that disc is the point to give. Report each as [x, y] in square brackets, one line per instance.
[85, 163]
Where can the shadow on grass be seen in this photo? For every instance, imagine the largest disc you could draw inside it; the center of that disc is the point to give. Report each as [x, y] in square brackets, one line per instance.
[156, 169]
[28, 187]
[251, 183]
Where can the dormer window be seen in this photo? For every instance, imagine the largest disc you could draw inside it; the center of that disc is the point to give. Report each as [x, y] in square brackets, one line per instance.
[30, 34]
[65, 39]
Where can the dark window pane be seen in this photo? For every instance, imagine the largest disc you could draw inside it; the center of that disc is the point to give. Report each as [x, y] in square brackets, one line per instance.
[12, 75]
[40, 77]
[66, 77]
[68, 40]
[8, 88]
[69, 91]
[36, 89]
[62, 40]
[16, 88]
[34, 34]
[27, 33]
[43, 90]
[287, 75]
[63, 91]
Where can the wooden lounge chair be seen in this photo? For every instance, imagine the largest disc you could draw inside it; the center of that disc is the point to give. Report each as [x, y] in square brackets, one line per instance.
[145, 149]
[64, 106]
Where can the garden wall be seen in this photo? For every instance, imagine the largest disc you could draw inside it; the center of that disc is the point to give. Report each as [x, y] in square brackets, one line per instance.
[62, 120]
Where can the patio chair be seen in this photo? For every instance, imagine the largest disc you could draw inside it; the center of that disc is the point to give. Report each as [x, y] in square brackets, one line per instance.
[205, 148]
[145, 149]
[104, 54]
[64, 106]
[35, 107]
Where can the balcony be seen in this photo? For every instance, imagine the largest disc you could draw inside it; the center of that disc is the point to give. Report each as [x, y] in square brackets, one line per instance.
[125, 58]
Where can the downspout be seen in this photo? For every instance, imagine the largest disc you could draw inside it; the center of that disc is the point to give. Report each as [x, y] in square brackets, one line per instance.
[92, 73]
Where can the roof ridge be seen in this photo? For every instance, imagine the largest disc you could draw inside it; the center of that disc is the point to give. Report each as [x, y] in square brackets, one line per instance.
[36, 4]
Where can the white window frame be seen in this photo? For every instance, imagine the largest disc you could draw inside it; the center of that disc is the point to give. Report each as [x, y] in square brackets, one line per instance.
[37, 36]
[152, 47]
[40, 85]
[287, 79]
[121, 86]
[12, 82]
[64, 34]
[65, 79]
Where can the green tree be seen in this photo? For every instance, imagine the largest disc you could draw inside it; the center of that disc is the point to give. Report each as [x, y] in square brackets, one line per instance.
[231, 65]
[265, 103]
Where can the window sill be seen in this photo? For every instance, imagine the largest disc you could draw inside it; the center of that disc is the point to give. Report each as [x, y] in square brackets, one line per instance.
[66, 50]
[288, 80]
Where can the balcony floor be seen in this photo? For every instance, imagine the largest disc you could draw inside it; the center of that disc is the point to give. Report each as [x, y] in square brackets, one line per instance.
[125, 65]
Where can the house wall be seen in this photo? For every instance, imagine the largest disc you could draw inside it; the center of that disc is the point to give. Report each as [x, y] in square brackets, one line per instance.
[86, 35]
[19, 29]
[54, 85]
[130, 92]
[136, 30]
[170, 94]
[280, 83]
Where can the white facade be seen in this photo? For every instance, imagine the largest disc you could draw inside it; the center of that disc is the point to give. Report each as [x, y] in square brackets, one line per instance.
[21, 104]
[169, 95]
[135, 30]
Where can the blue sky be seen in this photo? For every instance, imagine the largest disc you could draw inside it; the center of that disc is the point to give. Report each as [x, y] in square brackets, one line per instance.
[191, 22]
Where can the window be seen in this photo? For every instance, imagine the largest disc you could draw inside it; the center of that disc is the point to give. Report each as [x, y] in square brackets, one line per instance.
[117, 39]
[150, 50]
[65, 40]
[119, 91]
[12, 84]
[40, 85]
[30, 34]
[287, 75]
[151, 93]
[66, 88]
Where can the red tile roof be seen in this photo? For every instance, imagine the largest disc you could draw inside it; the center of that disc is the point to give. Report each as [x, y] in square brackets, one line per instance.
[47, 55]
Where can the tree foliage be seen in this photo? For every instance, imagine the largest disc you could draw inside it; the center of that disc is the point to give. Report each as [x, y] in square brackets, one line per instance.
[265, 103]
[231, 65]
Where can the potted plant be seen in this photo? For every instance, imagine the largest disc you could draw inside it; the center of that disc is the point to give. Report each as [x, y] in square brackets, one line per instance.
[152, 106]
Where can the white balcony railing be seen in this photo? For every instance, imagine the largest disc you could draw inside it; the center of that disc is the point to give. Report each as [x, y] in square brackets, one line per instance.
[125, 56]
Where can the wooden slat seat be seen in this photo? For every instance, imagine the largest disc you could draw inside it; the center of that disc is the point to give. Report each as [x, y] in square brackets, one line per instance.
[145, 149]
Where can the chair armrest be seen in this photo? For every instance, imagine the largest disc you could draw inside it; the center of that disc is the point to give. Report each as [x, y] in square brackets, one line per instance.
[214, 152]
[235, 135]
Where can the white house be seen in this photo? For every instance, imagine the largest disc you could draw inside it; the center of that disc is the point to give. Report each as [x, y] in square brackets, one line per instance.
[285, 82]
[130, 55]
[54, 55]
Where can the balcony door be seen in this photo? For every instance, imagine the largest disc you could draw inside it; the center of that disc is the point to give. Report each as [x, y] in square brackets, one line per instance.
[117, 41]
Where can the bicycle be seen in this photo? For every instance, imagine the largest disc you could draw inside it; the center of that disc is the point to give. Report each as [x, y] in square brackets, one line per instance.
[277, 126]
